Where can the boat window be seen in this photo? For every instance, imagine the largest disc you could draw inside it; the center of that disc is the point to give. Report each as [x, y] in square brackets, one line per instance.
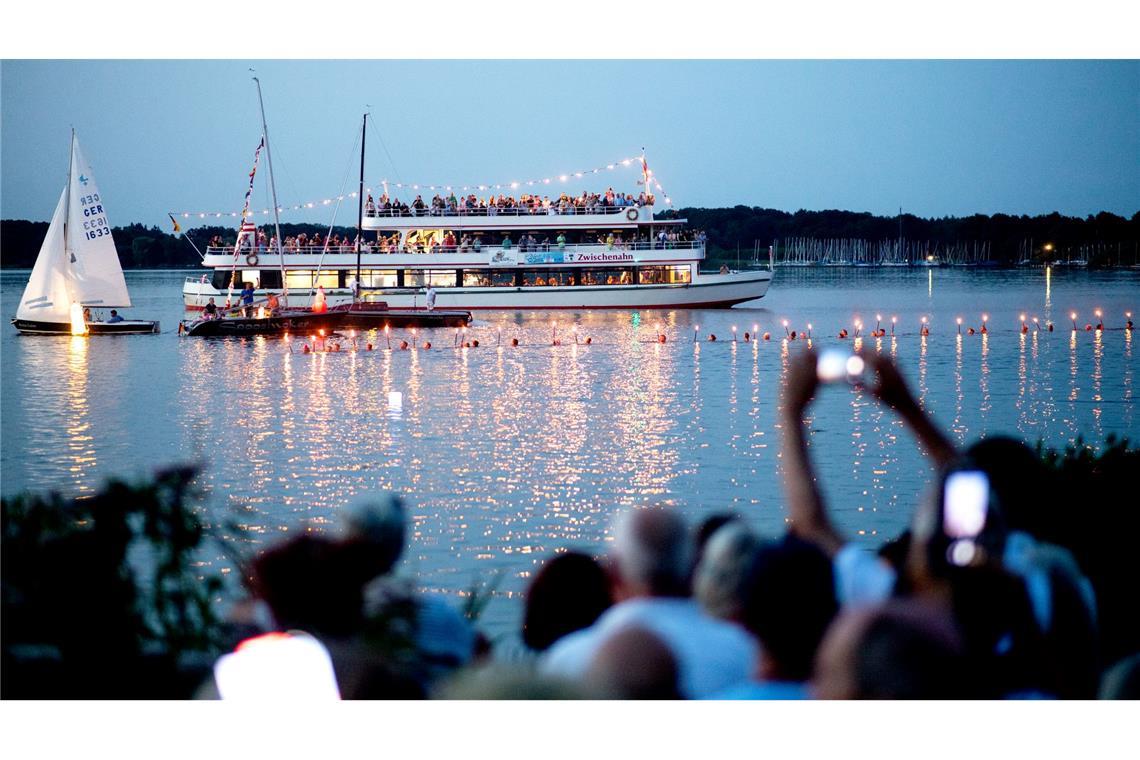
[502, 278]
[681, 273]
[271, 279]
[477, 278]
[613, 276]
[306, 279]
[221, 279]
[651, 275]
[378, 278]
[419, 278]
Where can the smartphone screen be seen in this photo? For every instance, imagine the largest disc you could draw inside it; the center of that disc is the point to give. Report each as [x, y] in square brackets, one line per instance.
[831, 365]
[965, 501]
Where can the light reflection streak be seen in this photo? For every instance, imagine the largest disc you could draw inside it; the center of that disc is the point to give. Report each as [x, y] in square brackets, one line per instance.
[1126, 381]
[1023, 422]
[984, 403]
[922, 371]
[1074, 390]
[1098, 356]
[80, 438]
[957, 425]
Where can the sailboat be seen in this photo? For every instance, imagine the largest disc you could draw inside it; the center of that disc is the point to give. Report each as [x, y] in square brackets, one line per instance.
[77, 269]
[301, 320]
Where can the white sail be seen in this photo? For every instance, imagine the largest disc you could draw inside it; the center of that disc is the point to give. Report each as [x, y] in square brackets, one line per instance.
[96, 275]
[47, 298]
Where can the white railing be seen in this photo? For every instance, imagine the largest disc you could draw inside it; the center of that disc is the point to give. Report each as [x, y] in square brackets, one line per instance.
[552, 210]
[369, 249]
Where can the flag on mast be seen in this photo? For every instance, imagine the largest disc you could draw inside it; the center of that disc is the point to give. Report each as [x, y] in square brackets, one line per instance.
[174, 221]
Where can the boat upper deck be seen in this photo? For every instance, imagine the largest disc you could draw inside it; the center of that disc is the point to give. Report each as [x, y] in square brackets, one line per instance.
[514, 218]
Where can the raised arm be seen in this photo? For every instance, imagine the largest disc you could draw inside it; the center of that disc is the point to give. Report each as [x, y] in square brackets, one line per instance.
[892, 390]
[806, 510]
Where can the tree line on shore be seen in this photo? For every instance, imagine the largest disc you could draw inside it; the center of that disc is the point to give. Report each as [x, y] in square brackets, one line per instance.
[1108, 239]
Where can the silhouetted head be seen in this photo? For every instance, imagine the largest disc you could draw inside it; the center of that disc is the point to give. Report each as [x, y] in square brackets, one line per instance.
[651, 554]
[1021, 482]
[308, 583]
[789, 602]
[705, 530]
[569, 592]
[372, 531]
[720, 575]
[901, 650]
[633, 664]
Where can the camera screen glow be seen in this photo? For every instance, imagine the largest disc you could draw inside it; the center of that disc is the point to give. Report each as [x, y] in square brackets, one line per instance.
[832, 365]
[966, 500]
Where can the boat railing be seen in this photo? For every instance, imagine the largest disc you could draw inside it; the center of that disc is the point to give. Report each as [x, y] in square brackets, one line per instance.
[599, 209]
[372, 248]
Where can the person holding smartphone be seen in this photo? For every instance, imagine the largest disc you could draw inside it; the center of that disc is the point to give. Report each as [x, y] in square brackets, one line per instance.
[861, 577]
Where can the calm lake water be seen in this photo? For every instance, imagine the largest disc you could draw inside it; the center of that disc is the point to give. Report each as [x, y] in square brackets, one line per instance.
[506, 454]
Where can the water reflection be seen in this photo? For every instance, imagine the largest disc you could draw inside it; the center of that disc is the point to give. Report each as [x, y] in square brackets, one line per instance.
[80, 437]
[957, 426]
[984, 382]
[1098, 357]
[507, 453]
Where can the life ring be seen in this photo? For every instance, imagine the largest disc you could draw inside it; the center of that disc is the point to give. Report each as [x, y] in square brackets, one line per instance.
[251, 259]
[631, 215]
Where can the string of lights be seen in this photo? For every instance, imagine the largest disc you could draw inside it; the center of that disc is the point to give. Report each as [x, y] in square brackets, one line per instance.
[650, 179]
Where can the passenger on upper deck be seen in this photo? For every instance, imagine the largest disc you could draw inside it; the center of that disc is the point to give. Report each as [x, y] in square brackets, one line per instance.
[586, 203]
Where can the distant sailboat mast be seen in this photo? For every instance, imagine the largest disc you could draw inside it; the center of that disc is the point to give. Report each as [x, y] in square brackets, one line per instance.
[273, 190]
[360, 204]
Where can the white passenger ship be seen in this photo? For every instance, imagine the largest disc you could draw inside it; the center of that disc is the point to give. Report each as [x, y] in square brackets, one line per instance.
[601, 255]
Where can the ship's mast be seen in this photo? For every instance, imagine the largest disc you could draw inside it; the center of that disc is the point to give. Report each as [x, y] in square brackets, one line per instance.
[360, 203]
[273, 189]
[67, 203]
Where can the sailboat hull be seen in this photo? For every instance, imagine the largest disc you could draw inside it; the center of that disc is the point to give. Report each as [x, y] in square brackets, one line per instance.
[126, 327]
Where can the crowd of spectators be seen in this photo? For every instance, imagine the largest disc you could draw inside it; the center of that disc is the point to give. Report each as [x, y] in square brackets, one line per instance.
[447, 241]
[507, 205]
[994, 609]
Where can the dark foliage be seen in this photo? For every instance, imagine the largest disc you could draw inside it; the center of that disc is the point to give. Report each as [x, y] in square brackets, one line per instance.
[744, 226]
[727, 228]
[1100, 523]
[139, 247]
[101, 596]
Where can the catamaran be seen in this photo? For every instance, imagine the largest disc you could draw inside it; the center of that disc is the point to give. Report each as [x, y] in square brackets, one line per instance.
[77, 269]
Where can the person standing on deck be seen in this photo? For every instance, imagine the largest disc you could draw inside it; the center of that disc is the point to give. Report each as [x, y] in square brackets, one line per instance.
[247, 299]
[430, 297]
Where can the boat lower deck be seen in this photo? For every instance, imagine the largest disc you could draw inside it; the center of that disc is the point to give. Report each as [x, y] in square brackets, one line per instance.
[302, 322]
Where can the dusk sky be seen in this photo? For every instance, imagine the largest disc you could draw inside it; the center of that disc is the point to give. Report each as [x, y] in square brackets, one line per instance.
[938, 138]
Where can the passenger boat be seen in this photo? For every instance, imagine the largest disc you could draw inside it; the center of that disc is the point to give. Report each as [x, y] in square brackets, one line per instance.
[77, 283]
[604, 255]
[277, 316]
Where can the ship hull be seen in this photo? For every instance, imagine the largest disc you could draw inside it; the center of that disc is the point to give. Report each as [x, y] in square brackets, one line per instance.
[126, 327]
[709, 291]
